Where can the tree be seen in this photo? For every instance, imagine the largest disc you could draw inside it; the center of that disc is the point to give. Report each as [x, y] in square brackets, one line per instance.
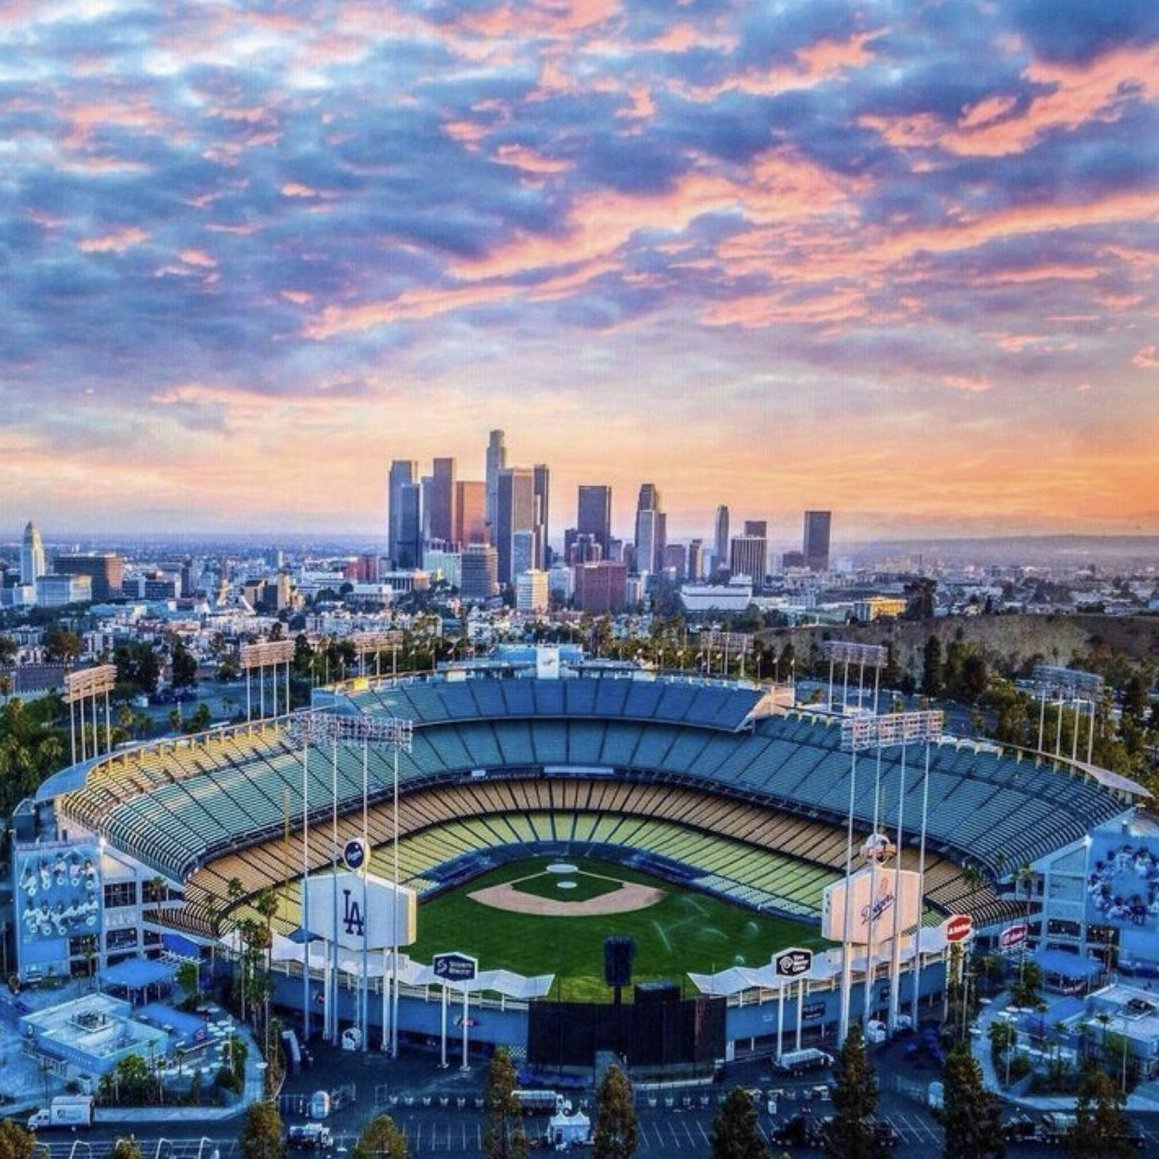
[734, 1130]
[183, 666]
[849, 1135]
[504, 1138]
[1101, 1130]
[15, 1141]
[972, 1117]
[188, 979]
[261, 1133]
[616, 1129]
[127, 1149]
[932, 667]
[381, 1139]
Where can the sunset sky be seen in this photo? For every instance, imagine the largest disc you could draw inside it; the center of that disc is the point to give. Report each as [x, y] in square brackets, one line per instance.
[897, 259]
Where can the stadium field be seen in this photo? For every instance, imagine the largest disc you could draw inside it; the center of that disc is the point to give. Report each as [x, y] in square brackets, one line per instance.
[684, 930]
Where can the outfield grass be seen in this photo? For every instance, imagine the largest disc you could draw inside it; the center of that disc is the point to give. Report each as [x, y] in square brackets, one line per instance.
[686, 931]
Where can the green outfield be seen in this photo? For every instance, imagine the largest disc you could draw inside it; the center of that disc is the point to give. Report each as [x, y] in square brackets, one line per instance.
[685, 931]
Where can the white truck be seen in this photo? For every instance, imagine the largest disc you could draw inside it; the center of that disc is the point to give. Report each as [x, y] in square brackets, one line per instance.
[63, 1111]
[310, 1137]
[800, 1061]
[538, 1102]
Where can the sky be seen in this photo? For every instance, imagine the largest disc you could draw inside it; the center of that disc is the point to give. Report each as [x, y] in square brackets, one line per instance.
[895, 259]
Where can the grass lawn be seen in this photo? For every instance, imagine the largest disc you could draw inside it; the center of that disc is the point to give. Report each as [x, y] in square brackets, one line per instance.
[686, 931]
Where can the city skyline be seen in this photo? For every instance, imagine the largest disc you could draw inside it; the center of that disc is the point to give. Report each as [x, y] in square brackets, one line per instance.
[893, 262]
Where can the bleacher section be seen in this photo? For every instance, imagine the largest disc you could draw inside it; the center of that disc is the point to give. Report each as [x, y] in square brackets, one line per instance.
[497, 746]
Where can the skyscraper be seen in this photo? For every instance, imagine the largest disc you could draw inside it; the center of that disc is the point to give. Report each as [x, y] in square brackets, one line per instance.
[470, 511]
[748, 555]
[594, 514]
[542, 512]
[496, 461]
[514, 512]
[720, 539]
[816, 546]
[443, 501]
[651, 527]
[31, 555]
[480, 567]
[400, 511]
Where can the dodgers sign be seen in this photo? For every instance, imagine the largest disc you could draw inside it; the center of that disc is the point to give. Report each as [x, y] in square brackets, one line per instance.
[354, 854]
[385, 918]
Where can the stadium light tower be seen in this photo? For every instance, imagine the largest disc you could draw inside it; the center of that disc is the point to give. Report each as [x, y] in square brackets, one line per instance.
[885, 731]
[1068, 684]
[316, 728]
[845, 652]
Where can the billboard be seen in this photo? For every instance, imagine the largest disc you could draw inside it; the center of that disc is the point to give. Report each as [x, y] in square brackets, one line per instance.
[58, 893]
[1123, 881]
[876, 892]
[337, 902]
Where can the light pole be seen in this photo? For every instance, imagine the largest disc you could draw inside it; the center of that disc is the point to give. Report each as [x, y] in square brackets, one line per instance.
[312, 727]
[863, 732]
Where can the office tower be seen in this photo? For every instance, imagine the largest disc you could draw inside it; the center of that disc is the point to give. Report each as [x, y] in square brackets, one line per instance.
[470, 512]
[542, 515]
[514, 511]
[720, 539]
[531, 591]
[600, 587]
[817, 525]
[31, 555]
[480, 572]
[443, 501]
[105, 569]
[757, 527]
[403, 473]
[581, 548]
[594, 514]
[496, 462]
[676, 561]
[650, 530]
[696, 560]
[748, 555]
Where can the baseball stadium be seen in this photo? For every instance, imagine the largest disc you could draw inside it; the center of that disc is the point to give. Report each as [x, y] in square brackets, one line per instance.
[533, 812]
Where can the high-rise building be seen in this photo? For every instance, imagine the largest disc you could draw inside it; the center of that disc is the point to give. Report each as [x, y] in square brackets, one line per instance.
[748, 555]
[594, 514]
[651, 528]
[600, 587]
[479, 572]
[470, 512]
[720, 539]
[496, 462]
[676, 561]
[542, 515]
[31, 555]
[817, 526]
[443, 501]
[515, 509]
[105, 569]
[404, 524]
[532, 593]
[696, 560]
[757, 527]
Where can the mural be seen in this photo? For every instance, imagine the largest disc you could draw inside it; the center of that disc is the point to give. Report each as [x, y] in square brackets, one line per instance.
[58, 893]
[1123, 883]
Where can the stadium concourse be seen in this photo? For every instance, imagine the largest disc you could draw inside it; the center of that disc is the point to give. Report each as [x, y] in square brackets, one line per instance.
[724, 787]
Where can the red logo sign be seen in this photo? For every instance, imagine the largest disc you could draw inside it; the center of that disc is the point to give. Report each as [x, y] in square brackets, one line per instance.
[1012, 936]
[959, 927]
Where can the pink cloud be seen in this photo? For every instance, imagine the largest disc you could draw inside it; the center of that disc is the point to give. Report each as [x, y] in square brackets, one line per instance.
[116, 242]
[1145, 359]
